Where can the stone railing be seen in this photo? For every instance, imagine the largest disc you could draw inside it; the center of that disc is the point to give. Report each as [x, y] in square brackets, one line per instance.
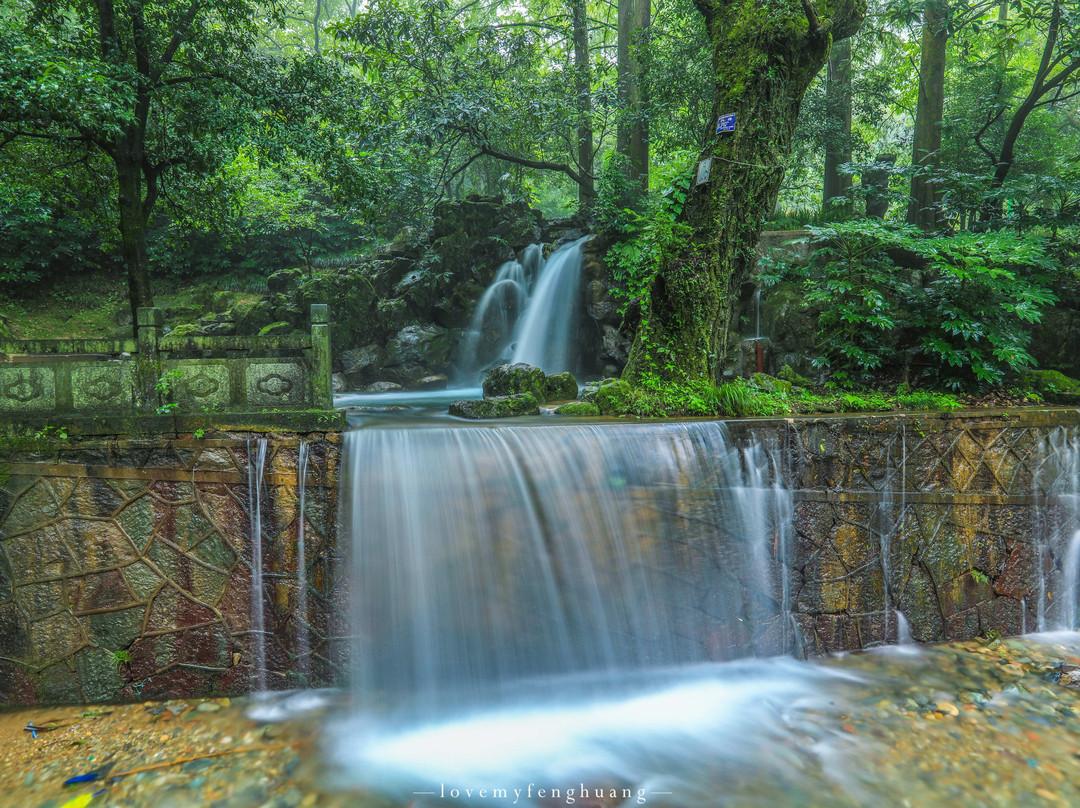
[157, 373]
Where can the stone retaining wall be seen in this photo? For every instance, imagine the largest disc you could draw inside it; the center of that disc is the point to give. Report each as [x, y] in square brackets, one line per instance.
[958, 517]
[125, 568]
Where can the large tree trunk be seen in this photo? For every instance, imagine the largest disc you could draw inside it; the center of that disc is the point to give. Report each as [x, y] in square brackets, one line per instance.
[838, 108]
[633, 132]
[583, 91]
[924, 208]
[133, 224]
[763, 59]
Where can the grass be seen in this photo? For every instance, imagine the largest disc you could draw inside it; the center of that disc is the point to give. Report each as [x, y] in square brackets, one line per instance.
[88, 306]
[740, 399]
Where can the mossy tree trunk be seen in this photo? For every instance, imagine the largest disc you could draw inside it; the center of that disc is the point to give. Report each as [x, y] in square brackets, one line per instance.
[764, 57]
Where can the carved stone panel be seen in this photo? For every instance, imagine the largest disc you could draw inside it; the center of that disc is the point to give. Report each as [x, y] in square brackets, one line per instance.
[200, 385]
[27, 389]
[102, 387]
[275, 384]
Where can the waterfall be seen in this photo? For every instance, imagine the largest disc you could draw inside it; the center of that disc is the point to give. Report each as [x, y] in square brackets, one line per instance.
[547, 333]
[486, 560]
[1057, 487]
[303, 640]
[256, 473]
[529, 313]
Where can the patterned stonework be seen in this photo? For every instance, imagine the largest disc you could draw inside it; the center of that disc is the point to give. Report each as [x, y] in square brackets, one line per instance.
[27, 389]
[125, 571]
[933, 516]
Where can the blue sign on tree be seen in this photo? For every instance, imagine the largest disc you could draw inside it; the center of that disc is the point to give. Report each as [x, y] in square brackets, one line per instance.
[726, 123]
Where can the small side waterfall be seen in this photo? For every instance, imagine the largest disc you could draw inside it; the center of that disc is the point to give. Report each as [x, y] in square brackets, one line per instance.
[303, 634]
[256, 473]
[487, 560]
[529, 313]
[1057, 484]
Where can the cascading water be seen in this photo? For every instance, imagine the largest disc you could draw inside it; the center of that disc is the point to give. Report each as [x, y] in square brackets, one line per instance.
[547, 333]
[529, 313]
[256, 473]
[303, 638]
[486, 557]
[521, 594]
[1058, 485]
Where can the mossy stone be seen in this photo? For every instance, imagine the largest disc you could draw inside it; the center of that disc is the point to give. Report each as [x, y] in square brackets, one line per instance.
[579, 408]
[496, 406]
[560, 387]
[275, 328]
[611, 396]
[1053, 385]
[770, 384]
[788, 374]
[508, 380]
[187, 330]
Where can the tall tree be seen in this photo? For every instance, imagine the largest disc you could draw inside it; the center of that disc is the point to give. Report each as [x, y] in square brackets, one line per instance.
[633, 131]
[583, 102]
[763, 58]
[1055, 81]
[924, 208]
[157, 86]
[837, 183]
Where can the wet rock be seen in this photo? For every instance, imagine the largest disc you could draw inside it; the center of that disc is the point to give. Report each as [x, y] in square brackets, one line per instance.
[383, 387]
[578, 408]
[507, 380]
[560, 387]
[611, 396]
[417, 351]
[360, 365]
[339, 383]
[434, 382]
[496, 406]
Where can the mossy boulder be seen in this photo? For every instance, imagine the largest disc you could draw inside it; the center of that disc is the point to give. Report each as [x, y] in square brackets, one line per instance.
[1054, 386]
[611, 396]
[770, 384]
[507, 380]
[222, 301]
[185, 330]
[788, 374]
[560, 387]
[274, 329]
[496, 406]
[251, 316]
[578, 408]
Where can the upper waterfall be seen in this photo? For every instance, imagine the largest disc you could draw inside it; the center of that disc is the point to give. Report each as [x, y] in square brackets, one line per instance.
[529, 313]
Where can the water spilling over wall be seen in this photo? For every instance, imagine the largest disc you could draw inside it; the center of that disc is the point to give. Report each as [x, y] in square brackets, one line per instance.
[960, 522]
[489, 557]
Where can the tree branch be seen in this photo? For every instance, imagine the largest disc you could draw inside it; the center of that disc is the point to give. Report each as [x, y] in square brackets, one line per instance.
[542, 165]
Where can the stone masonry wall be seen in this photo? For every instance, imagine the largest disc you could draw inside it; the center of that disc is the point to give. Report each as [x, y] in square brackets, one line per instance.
[955, 521]
[125, 569]
[125, 566]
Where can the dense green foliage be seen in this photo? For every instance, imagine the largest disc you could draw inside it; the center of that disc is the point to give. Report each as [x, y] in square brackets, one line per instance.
[953, 310]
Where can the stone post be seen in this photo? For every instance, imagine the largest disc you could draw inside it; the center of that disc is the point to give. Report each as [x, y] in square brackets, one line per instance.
[148, 366]
[322, 397]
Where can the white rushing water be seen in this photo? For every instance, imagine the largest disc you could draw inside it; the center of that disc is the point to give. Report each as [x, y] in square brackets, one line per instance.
[529, 313]
[551, 602]
[256, 471]
[303, 633]
[1057, 483]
